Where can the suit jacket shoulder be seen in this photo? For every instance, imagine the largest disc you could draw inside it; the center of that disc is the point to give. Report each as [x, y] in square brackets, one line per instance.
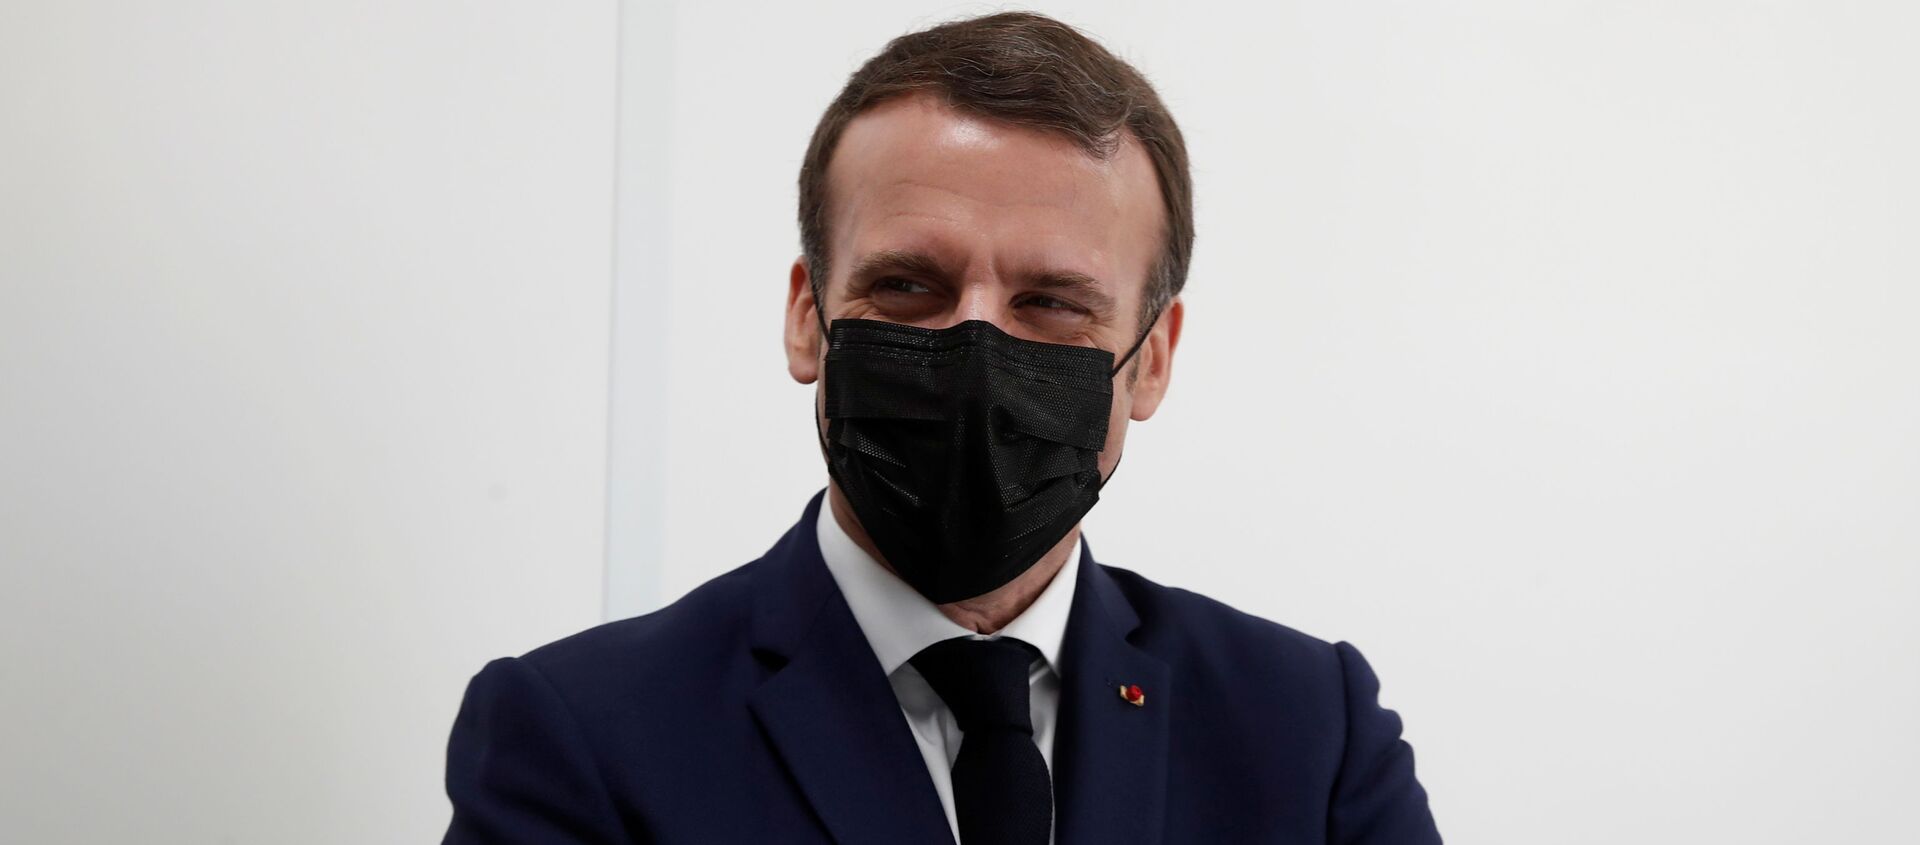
[676, 646]
[1252, 691]
[1193, 627]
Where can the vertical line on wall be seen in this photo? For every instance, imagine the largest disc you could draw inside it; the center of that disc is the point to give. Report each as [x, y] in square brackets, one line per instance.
[637, 374]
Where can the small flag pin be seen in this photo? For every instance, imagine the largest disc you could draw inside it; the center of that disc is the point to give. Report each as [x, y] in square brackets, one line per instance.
[1131, 694]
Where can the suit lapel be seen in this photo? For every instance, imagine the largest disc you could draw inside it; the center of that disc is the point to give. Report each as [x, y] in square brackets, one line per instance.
[829, 711]
[1110, 757]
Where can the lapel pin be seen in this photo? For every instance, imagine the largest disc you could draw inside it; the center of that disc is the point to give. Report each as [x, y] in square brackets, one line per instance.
[1131, 694]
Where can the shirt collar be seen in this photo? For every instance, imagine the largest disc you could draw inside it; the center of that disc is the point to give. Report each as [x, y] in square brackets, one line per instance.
[899, 622]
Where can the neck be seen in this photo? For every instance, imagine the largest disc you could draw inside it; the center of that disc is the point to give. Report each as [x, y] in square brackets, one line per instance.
[983, 614]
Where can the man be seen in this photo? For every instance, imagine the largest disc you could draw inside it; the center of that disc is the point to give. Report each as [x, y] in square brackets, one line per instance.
[996, 224]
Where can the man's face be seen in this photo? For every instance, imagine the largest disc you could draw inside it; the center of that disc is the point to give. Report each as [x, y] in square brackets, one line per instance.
[936, 217]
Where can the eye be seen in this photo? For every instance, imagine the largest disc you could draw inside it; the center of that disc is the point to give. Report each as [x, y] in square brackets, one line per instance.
[899, 285]
[1051, 303]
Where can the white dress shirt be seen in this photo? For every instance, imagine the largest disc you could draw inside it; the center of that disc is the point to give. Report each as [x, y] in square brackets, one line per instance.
[899, 622]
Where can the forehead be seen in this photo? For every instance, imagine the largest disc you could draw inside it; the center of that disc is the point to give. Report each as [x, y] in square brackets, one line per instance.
[914, 173]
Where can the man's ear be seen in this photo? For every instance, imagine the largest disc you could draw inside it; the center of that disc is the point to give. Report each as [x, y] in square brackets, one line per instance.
[1155, 361]
[803, 325]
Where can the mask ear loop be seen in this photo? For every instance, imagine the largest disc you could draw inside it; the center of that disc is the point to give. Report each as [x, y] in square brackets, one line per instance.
[819, 434]
[1139, 342]
[1123, 452]
[819, 312]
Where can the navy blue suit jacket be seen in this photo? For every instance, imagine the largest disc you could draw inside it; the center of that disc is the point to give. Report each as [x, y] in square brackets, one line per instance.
[753, 711]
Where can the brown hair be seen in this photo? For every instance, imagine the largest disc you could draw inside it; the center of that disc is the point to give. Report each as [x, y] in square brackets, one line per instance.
[1029, 70]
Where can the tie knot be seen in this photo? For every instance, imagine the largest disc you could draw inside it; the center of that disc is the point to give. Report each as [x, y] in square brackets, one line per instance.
[984, 682]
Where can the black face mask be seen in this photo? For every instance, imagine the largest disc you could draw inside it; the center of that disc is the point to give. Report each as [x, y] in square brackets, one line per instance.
[967, 453]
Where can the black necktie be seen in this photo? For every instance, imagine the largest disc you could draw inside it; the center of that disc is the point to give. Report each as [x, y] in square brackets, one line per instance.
[1001, 792]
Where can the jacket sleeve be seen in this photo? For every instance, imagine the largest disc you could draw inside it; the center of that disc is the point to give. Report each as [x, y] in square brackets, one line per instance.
[518, 768]
[1376, 799]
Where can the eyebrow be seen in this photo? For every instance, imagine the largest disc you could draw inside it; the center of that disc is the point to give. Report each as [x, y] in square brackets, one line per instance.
[1086, 288]
[899, 261]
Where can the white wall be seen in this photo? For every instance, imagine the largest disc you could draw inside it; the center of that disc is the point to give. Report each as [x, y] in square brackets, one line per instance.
[303, 365]
[1559, 355]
